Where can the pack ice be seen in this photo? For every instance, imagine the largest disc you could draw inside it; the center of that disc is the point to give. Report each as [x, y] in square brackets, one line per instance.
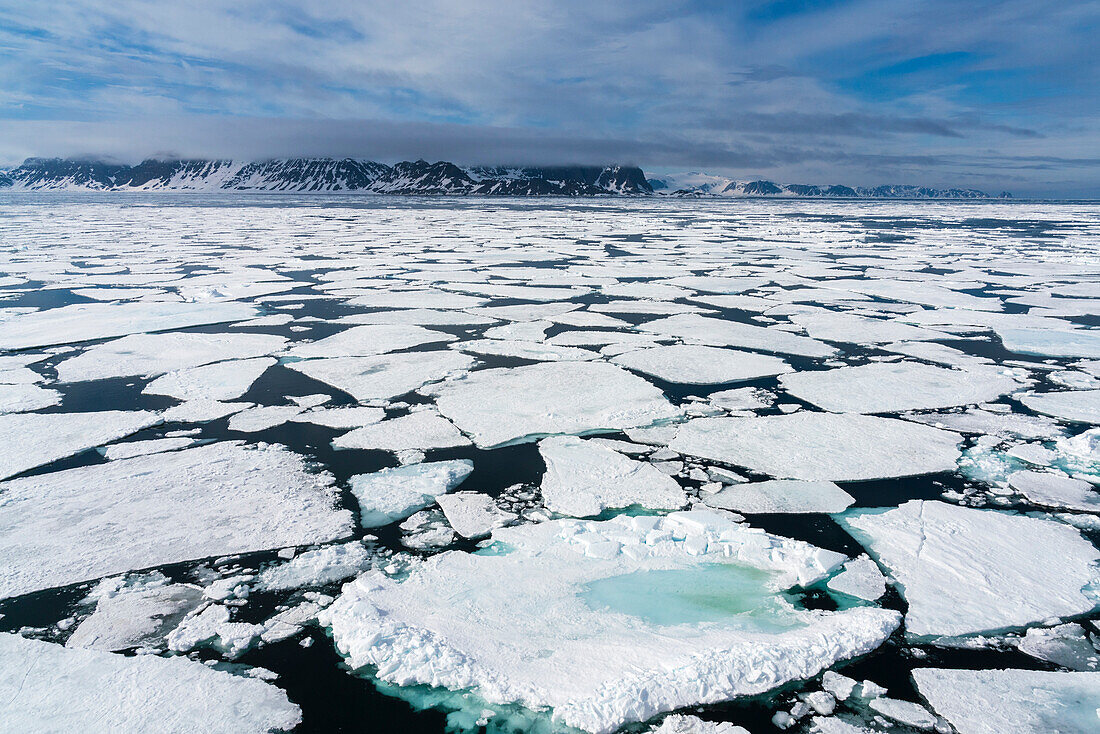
[964, 571]
[700, 365]
[605, 623]
[47, 687]
[393, 494]
[70, 526]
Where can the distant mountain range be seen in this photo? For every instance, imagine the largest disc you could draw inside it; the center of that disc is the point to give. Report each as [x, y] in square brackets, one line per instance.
[413, 178]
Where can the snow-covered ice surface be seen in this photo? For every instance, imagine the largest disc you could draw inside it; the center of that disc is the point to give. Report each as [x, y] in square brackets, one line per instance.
[47, 687]
[216, 411]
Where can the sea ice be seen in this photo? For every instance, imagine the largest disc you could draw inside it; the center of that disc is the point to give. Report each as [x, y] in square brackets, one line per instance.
[1075, 406]
[1067, 645]
[136, 615]
[821, 446]
[999, 562]
[219, 381]
[834, 326]
[423, 429]
[1056, 490]
[342, 417]
[781, 496]
[890, 388]
[1052, 342]
[682, 724]
[860, 578]
[130, 449]
[716, 332]
[583, 479]
[262, 417]
[370, 339]
[498, 406]
[47, 687]
[472, 514]
[393, 494]
[524, 350]
[700, 365]
[384, 376]
[222, 498]
[81, 322]
[605, 623]
[23, 397]
[29, 440]
[149, 355]
[316, 567]
[1017, 701]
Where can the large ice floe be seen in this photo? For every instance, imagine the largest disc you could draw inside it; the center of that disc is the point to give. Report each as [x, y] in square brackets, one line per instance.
[1075, 406]
[891, 388]
[717, 332]
[1017, 701]
[700, 365]
[965, 571]
[393, 494]
[69, 526]
[599, 624]
[821, 446]
[47, 687]
[583, 479]
[498, 406]
[384, 376]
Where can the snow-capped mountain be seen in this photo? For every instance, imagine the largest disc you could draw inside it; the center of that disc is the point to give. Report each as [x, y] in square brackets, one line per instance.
[323, 174]
[694, 183]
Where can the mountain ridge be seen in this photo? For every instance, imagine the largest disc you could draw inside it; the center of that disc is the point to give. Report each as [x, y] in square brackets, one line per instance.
[420, 177]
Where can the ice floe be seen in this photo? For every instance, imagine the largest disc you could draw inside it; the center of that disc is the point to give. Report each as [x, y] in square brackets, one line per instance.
[860, 578]
[821, 446]
[47, 687]
[370, 339]
[472, 514]
[700, 365]
[317, 567]
[393, 494]
[999, 581]
[1075, 406]
[133, 614]
[1052, 342]
[23, 397]
[497, 406]
[80, 524]
[219, 381]
[1018, 701]
[716, 332]
[781, 496]
[423, 429]
[384, 376]
[1056, 490]
[583, 479]
[605, 623]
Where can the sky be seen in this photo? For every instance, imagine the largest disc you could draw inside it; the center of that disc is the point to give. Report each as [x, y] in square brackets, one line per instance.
[991, 95]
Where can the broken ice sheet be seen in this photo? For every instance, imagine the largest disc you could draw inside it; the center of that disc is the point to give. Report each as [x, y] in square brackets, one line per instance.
[498, 406]
[821, 446]
[384, 376]
[781, 496]
[47, 687]
[80, 524]
[701, 365]
[423, 429]
[20, 398]
[1075, 406]
[1018, 701]
[999, 562]
[393, 494]
[219, 381]
[717, 332]
[317, 567]
[134, 612]
[472, 514]
[583, 479]
[368, 340]
[605, 623]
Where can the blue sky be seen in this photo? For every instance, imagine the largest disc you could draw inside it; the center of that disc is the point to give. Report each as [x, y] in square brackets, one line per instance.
[996, 95]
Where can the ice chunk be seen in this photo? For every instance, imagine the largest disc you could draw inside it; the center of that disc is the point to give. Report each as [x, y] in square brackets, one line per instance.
[424, 429]
[699, 365]
[1002, 579]
[583, 479]
[316, 567]
[1055, 490]
[1067, 645]
[88, 321]
[781, 496]
[741, 398]
[219, 381]
[1076, 406]
[499, 406]
[706, 330]
[202, 410]
[149, 355]
[524, 350]
[605, 623]
[834, 326]
[350, 417]
[22, 397]
[385, 376]
[821, 446]
[142, 448]
[860, 578]
[1051, 342]
[136, 616]
[47, 687]
[903, 712]
[85, 523]
[29, 440]
[393, 494]
[984, 422]
[262, 418]
[1017, 701]
[472, 514]
[890, 388]
[371, 339]
[682, 724]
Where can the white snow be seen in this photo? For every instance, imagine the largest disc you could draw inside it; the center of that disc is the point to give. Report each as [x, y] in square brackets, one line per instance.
[583, 479]
[29, 440]
[1017, 701]
[683, 724]
[999, 565]
[821, 446]
[47, 687]
[520, 349]
[893, 387]
[130, 449]
[781, 496]
[341, 417]
[85, 523]
[263, 417]
[390, 495]
[605, 623]
[700, 365]
[903, 712]
[498, 406]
